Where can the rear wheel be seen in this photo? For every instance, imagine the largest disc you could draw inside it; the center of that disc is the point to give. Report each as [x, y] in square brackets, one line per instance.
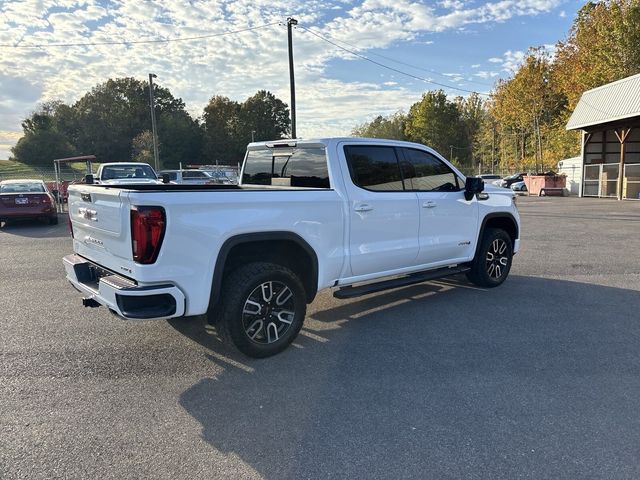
[263, 308]
[492, 262]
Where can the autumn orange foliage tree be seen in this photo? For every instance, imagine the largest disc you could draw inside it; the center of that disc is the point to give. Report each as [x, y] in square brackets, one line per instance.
[534, 104]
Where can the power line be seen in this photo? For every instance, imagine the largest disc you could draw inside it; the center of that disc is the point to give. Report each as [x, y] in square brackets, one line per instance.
[417, 67]
[363, 57]
[132, 42]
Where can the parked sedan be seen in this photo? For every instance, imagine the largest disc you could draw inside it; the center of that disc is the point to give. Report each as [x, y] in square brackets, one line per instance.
[519, 187]
[26, 199]
[511, 179]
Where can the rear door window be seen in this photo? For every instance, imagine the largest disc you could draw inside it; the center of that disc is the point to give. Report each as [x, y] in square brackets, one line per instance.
[374, 167]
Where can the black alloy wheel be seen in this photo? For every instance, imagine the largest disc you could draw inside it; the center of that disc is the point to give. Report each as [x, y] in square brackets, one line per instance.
[492, 263]
[496, 258]
[268, 312]
[263, 308]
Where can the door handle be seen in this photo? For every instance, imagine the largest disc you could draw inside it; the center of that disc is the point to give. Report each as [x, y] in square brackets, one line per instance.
[363, 207]
[429, 204]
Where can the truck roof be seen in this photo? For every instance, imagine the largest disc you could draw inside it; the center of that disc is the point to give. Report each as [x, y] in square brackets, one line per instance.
[331, 141]
[123, 164]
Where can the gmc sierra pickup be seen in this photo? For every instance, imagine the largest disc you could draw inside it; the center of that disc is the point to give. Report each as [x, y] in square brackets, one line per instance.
[355, 215]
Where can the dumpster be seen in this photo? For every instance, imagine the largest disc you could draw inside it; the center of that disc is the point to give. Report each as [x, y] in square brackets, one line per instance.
[543, 185]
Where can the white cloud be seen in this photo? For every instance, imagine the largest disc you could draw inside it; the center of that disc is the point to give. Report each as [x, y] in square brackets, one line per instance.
[456, 77]
[235, 65]
[476, 65]
[485, 74]
[512, 59]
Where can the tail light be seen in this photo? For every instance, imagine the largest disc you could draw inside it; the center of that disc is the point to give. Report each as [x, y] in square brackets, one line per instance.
[147, 231]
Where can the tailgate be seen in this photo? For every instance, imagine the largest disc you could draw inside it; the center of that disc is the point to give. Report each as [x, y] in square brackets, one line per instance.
[101, 231]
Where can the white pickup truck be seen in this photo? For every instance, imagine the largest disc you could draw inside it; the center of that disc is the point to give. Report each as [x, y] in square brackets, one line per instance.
[123, 173]
[355, 215]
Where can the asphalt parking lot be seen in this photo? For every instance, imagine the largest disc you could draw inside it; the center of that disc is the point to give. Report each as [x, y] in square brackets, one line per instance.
[539, 378]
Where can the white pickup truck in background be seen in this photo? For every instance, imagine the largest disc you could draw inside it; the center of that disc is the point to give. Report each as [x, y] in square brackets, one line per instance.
[123, 173]
[356, 215]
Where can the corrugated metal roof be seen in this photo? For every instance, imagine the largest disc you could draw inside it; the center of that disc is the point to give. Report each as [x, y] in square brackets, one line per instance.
[613, 101]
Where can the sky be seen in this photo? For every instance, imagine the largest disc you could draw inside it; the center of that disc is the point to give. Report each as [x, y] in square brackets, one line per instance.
[463, 45]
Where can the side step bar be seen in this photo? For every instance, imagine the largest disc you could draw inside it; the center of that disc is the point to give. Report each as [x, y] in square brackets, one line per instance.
[351, 292]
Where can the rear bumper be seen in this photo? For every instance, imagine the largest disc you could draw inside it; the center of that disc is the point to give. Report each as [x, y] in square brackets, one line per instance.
[122, 296]
[16, 213]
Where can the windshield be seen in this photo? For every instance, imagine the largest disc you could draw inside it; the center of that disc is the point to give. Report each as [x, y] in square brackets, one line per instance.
[287, 167]
[142, 171]
[22, 188]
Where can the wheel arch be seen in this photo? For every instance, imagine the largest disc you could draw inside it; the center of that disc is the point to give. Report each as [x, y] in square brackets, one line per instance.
[502, 220]
[291, 251]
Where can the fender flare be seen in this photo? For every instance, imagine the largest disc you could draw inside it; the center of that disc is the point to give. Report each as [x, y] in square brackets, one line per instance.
[227, 246]
[491, 216]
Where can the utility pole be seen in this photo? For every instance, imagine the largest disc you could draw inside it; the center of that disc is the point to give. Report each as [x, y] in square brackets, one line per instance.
[290, 22]
[451, 155]
[493, 147]
[156, 157]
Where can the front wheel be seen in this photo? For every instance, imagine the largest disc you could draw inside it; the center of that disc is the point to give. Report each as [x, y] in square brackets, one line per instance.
[263, 308]
[492, 262]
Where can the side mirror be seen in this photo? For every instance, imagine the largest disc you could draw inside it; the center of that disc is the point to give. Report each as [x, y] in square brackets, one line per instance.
[88, 179]
[166, 178]
[472, 186]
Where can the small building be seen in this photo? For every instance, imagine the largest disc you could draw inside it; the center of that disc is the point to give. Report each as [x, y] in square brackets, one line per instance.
[572, 169]
[609, 117]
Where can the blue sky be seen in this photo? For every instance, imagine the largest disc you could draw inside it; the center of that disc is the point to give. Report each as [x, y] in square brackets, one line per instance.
[463, 44]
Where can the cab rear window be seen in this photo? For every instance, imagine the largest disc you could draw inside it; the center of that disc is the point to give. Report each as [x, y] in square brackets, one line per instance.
[287, 167]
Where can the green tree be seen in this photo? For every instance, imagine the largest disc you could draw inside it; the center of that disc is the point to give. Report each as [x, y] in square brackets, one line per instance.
[43, 140]
[228, 125]
[180, 139]
[603, 46]
[221, 117]
[391, 127]
[435, 121]
[264, 114]
[142, 147]
[115, 112]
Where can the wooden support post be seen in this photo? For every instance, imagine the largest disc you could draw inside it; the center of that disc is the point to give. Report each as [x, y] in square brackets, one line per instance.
[586, 136]
[622, 135]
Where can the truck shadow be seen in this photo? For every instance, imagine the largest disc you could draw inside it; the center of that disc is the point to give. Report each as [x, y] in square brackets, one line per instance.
[436, 380]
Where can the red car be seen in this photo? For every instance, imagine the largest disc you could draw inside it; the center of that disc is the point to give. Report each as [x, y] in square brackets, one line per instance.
[26, 199]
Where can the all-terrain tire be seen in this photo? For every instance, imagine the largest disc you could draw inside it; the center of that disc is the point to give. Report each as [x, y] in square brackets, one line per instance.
[263, 308]
[492, 262]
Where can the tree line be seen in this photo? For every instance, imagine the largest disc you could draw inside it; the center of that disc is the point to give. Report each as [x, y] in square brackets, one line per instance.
[521, 125]
[112, 121]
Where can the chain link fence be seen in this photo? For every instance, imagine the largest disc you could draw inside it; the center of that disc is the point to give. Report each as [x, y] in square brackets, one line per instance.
[17, 171]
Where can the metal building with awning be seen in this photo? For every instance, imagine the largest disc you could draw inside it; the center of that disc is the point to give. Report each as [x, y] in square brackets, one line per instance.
[609, 117]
